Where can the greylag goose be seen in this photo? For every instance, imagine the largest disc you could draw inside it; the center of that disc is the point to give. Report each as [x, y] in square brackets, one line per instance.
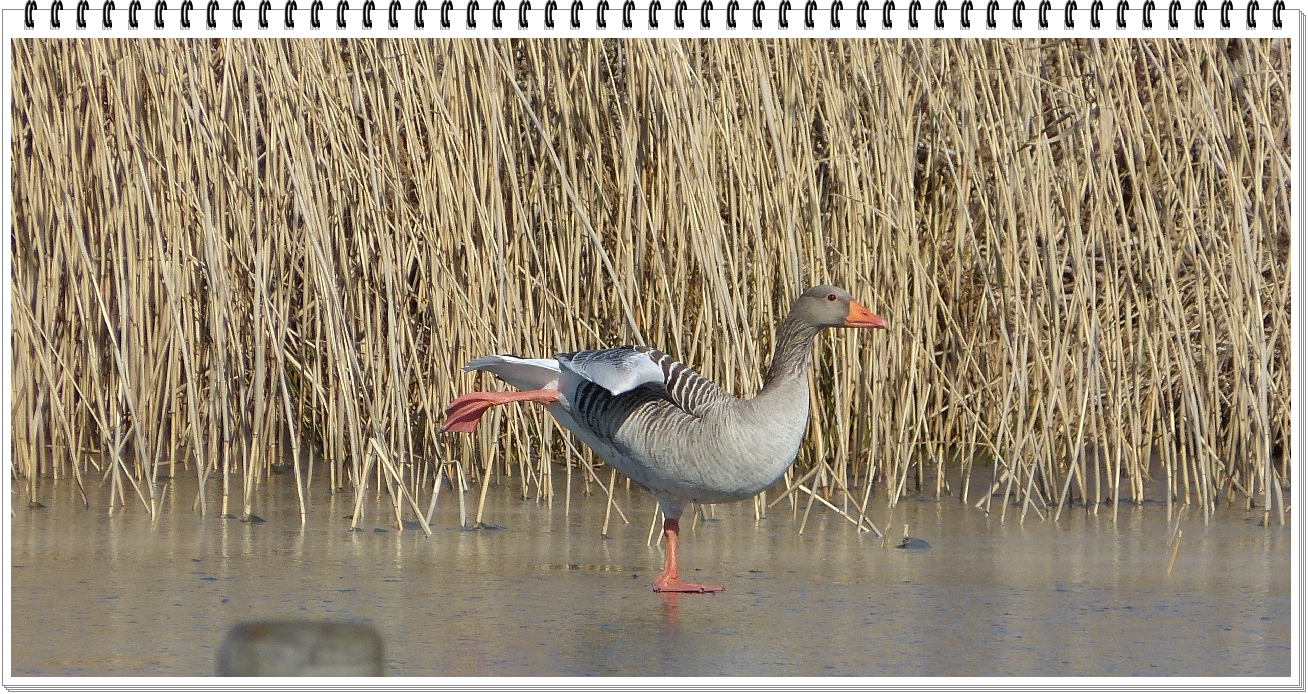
[670, 429]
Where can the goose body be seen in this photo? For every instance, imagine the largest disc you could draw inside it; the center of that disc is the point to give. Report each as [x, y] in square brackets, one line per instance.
[668, 428]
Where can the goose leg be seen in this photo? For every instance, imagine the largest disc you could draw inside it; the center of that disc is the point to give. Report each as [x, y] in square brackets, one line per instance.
[465, 412]
[667, 582]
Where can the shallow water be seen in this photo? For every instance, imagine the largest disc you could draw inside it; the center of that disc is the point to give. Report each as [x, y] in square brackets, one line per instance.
[95, 593]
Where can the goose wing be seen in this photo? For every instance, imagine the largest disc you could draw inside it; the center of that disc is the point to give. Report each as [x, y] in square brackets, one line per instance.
[623, 369]
[524, 374]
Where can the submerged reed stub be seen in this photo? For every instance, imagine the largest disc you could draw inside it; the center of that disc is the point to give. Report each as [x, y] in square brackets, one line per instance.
[300, 649]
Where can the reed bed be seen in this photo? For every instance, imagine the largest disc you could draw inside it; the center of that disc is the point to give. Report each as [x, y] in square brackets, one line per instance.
[232, 256]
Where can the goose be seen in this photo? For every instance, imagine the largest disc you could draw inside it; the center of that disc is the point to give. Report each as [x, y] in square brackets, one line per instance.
[666, 427]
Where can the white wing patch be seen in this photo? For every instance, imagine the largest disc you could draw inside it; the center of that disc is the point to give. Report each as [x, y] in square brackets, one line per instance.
[617, 370]
[523, 374]
[626, 368]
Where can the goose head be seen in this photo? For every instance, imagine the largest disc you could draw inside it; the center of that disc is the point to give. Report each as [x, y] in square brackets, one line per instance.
[825, 306]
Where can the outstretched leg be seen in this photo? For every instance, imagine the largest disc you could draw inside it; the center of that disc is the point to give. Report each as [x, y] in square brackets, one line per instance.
[667, 582]
[465, 412]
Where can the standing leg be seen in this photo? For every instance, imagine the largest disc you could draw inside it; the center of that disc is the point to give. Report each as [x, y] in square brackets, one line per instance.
[667, 582]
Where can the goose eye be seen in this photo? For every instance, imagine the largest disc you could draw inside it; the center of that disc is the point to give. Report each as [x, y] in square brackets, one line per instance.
[831, 297]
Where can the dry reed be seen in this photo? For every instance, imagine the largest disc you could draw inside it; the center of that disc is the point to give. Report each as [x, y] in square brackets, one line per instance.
[235, 255]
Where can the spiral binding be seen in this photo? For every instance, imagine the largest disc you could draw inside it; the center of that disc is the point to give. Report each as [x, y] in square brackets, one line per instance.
[810, 11]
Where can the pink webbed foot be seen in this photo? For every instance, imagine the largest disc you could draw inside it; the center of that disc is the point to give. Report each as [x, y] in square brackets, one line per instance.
[465, 412]
[672, 584]
[667, 582]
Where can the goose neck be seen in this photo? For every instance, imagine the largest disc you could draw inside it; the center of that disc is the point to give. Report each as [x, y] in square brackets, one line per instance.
[793, 353]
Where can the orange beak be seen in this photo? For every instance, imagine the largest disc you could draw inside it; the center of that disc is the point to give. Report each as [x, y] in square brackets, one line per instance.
[860, 317]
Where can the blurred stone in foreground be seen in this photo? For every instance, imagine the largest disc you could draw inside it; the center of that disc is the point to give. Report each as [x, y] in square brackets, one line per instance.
[300, 649]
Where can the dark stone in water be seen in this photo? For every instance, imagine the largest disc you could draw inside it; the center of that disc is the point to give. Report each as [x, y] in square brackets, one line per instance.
[481, 526]
[35, 505]
[251, 518]
[408, 525]
[305, 649]
[913, 543]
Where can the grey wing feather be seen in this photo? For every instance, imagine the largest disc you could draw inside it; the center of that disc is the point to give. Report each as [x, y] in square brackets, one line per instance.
[622, 369]
[525, 374]
[618, 370]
